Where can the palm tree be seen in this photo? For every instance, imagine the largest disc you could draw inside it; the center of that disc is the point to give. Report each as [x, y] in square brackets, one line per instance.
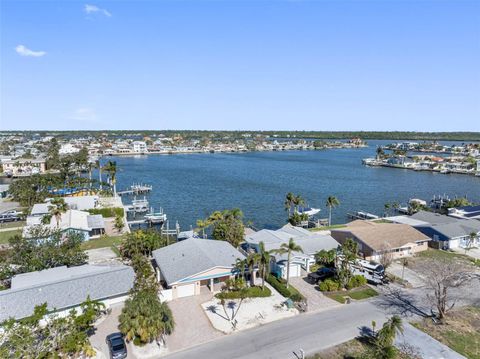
[240, 266]
[99, 166]
[202, 224]
[111, 169]
[332, 202]
[380, 152]
[263, 259]
[298, 201]
[289, 199]
[289, 247]
[251, 262]
[57, 208]
[327, 258]
[387, 334]
[387, 207]
[470, 240]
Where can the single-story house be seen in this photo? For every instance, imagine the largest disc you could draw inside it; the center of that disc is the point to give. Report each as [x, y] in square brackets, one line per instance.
[375, 238]
[466, 212]
[310, 242]
[448, 232]
[87, 225]
[194, 264]
[81, 203]
[64, 288]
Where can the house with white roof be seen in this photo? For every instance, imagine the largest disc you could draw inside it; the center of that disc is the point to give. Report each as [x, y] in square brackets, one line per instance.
[193, 265]
[64, 288]
[83, 223]
[310, 242]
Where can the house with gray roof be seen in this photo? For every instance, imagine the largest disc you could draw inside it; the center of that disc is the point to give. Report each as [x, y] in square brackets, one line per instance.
[310, 242]
[64, 288]
[186, 268]
[448, 232]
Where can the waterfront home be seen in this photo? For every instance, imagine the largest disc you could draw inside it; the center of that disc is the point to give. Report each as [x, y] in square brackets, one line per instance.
[139, 147]
[193, 266]
[375, 239]
[310, 242]
[80, 222]
[448, 232]
[81, 203]
[23, 167]
[68, 149]
[65, 288]
[466, 212]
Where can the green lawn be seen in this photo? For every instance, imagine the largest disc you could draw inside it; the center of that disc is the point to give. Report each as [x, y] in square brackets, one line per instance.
[5, 236]
[356, 294]
[102, 242]
[12, 224]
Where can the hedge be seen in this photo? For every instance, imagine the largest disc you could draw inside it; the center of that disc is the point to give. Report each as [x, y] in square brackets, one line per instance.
[252, 292]
[108, 212]
[280, 286]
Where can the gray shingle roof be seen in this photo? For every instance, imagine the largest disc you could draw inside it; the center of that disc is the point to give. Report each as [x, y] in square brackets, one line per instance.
[95, 221]
[194, 255]
[450, 227]
[63, 288]
[432, 218]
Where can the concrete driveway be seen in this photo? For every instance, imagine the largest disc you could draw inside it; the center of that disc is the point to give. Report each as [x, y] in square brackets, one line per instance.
[108, 325]
[192, 326]
[407, 274]
[315, 299]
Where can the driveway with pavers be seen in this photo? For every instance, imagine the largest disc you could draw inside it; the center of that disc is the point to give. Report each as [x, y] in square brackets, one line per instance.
[192, 326]
[315, 299]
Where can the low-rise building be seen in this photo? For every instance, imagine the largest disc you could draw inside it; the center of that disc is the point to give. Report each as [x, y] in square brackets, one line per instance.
[448, 232]
[376, 239]
[310, 242]
[139, 147]
[65, 288]
[186, 268]
[80, 222]
[23, 167]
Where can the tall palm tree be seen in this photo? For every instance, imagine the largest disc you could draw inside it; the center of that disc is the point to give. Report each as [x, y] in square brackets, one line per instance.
[387, 207]
[240, 266]
[202, 224]
[332, 202]
[289, 199]
[57, 208]
[298, 201]
[99, 166]
[289, 247]
[263, 259]
[251, 262]
[111, 169]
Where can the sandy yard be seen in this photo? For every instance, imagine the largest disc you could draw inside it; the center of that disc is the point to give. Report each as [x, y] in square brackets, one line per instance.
[252, 313]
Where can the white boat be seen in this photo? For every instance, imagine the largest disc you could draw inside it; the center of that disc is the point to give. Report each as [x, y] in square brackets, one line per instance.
[310, 212]
[156, 217]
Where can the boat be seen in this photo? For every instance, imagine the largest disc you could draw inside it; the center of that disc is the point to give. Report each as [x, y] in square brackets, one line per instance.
[156, 217]
[310, 212]
[362, 215]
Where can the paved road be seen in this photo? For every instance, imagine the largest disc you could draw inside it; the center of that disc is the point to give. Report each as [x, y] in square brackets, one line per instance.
[283, 339]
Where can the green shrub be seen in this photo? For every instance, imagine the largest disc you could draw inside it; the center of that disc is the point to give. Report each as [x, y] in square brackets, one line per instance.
[108, 212]
[251, 292]
[356, 281]
[329, 285]
[280, 286]
[315, 267]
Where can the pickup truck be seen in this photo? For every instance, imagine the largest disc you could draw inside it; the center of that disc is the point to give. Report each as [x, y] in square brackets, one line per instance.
[321, 274]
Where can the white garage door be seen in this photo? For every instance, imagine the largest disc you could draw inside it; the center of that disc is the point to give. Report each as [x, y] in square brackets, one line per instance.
[185, 290]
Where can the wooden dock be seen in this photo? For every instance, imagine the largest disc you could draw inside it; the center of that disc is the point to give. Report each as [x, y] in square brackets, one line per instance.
[136, 189]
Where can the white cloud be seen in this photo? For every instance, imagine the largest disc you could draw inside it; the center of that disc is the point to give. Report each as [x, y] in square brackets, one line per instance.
[91, 9]
[24, 51]
[84, 114]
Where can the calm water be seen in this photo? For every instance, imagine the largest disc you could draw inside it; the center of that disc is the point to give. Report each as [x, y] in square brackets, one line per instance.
[191, 186]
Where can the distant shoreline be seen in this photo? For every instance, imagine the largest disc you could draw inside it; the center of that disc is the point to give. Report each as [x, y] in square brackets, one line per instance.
[334, 135]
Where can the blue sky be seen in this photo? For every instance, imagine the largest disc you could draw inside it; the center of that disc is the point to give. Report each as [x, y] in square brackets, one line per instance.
[303, 65]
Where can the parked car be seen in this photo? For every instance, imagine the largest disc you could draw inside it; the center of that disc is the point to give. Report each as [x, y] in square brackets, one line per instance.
[321, 274]
[116, 345]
